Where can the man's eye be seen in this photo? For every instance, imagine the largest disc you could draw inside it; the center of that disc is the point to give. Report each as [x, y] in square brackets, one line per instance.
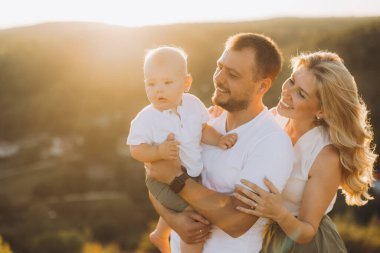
[168, 82]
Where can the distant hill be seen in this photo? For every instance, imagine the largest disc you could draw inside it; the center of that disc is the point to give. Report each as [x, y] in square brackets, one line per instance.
[68, 92]
[65, 74]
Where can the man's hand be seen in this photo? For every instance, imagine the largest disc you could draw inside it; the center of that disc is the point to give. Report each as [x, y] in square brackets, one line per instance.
[191, 227]
[227, 141]
[169, 149]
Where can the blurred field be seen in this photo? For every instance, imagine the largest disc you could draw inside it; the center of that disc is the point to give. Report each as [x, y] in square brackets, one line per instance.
[67, 94]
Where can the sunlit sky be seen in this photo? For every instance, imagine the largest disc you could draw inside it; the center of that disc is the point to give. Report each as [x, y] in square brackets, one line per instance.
[154, 12]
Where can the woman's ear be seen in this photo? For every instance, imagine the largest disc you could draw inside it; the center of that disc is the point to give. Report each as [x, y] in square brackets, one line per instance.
[188, 81]
[320, 115]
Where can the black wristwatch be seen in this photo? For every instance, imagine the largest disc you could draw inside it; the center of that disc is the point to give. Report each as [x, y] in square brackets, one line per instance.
[179, 182]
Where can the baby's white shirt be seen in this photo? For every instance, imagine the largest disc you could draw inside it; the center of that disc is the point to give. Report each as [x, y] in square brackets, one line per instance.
[152, 126]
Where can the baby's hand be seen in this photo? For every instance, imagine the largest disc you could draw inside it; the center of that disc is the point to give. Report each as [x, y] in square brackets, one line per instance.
[227, 141]
[215, 111]
[169, 149]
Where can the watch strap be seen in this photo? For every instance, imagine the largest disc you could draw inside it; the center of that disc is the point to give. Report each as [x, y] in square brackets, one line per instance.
[179, 182]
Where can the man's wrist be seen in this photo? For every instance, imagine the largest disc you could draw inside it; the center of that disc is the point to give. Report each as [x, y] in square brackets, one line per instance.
[178, 183]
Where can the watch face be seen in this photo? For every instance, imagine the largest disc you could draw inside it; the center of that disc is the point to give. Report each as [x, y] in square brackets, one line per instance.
[179, 182]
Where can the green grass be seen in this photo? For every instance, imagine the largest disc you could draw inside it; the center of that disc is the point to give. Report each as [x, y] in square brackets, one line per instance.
[359, 237]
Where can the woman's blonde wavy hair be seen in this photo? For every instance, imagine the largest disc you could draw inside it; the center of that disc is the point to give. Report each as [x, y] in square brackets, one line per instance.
[345, 118]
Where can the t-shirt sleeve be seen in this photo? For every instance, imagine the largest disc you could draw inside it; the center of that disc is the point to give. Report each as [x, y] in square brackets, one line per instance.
[272, 157]
[140, 131]
[201, 109]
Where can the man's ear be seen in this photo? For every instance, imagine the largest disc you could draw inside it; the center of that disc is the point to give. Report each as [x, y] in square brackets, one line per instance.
[265, 85]
[188, 81]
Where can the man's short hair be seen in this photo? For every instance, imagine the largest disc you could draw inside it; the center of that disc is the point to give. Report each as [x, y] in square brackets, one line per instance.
[267, 54]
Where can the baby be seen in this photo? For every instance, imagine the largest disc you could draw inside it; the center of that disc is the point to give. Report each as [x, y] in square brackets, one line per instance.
[173, 125]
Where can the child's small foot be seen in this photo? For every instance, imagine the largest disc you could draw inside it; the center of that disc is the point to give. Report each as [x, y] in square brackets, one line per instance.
[160, 242]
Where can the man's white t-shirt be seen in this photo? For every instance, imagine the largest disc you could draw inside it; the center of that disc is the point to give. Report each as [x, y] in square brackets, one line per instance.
[263, 150]
[152, 126]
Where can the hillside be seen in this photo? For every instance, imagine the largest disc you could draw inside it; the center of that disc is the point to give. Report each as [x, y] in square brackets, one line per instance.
[68, 92]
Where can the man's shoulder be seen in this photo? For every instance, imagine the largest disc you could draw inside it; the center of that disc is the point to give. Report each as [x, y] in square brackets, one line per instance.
[190, 98]
[272, 132]
[269, 124]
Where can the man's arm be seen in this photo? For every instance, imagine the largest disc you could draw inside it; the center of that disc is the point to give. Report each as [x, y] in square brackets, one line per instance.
[218, 208]
[273, 160]
[190, 226]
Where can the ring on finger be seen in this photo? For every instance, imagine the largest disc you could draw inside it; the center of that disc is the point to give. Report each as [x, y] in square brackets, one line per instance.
[254, 205]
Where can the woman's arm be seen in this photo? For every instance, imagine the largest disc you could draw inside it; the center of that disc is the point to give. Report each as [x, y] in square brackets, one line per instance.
[189, 225]
[324, 179]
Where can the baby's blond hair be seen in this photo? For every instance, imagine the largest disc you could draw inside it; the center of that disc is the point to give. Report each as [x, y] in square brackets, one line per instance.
[165, 54]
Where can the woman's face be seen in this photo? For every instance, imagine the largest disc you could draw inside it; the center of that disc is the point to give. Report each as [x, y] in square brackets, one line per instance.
[299, 99]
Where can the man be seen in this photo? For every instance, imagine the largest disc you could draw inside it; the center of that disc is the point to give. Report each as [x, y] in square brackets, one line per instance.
[244, 73]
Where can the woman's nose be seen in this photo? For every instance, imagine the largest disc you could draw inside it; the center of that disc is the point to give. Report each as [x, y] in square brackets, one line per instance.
[285, 88]
[286, 92]
[218, 75]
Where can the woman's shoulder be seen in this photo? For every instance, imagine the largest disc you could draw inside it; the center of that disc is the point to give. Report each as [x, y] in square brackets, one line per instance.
[328, 160]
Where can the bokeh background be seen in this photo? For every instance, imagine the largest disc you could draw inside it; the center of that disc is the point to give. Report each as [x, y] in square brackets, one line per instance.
[68, 91]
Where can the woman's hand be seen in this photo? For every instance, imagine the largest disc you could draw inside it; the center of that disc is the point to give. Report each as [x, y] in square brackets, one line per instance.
[262, 203]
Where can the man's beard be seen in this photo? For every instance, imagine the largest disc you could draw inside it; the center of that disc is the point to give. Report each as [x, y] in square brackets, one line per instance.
[232, 104]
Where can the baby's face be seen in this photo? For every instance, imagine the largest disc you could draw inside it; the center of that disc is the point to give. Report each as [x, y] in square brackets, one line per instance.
[164, 85]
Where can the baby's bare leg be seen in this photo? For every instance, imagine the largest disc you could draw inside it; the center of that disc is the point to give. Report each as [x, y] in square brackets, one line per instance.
[160, 236]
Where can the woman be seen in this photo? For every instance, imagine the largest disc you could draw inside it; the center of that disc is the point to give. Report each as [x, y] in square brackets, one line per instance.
[325, 118]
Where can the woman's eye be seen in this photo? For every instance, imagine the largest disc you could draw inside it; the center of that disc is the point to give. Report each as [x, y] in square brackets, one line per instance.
[233, 75]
